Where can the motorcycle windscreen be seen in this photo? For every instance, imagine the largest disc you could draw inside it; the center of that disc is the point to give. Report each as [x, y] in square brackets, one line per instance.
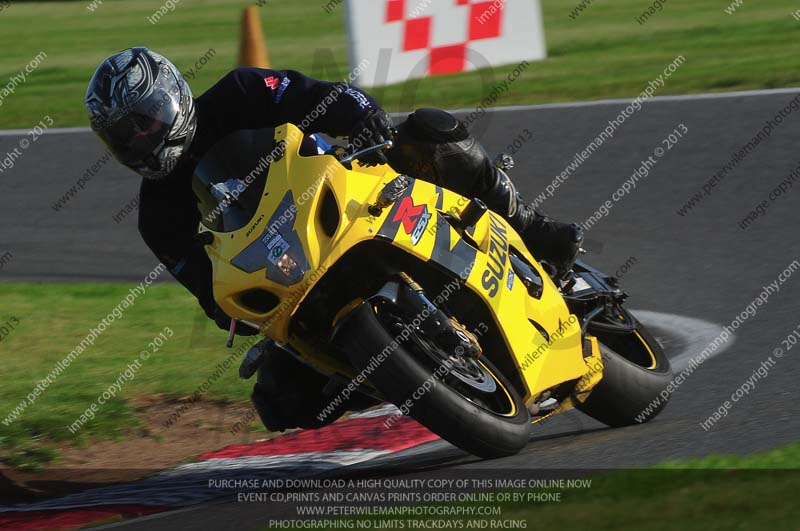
[229, 180]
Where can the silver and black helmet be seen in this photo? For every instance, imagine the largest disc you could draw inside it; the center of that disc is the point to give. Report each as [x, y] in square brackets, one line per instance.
[142, 108]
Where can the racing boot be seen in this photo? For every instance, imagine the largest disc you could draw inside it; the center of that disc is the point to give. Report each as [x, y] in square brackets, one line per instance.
[290, 394]
[556, 243]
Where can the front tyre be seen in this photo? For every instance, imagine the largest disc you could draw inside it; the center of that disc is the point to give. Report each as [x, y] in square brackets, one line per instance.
[636, 375]
[471, 405]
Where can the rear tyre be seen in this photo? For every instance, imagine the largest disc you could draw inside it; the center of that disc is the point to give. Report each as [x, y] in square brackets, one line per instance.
[485, 423]
[636, 372]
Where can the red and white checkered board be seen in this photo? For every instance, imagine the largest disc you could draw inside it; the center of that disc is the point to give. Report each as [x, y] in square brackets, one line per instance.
[395, 40]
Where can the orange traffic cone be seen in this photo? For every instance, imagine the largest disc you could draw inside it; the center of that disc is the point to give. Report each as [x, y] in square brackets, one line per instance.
[253, 47]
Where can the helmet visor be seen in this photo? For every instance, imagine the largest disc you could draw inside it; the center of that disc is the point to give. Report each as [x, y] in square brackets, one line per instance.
[143, 129]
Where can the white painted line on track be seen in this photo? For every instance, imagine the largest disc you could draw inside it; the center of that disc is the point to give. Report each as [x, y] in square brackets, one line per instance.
[52, 131]
[694, 335]
[531, 107]
[654, 99]
[697, 334]
[142, 519]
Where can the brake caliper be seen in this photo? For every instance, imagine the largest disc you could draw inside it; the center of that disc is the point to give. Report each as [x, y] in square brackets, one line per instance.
[445, 331]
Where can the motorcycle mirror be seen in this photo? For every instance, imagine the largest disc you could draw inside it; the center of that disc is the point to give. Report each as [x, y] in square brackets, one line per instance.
[390, 193]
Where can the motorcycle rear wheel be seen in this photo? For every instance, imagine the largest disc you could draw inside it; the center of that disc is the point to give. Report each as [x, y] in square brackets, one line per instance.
[636, 374]
[488, 424]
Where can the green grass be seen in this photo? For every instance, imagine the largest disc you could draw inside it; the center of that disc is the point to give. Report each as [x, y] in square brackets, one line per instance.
[714, 493]
[603, 53]
[54, 318]
[722, 493]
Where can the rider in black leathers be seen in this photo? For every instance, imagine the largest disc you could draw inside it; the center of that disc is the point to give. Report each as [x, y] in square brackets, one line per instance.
[143, 110]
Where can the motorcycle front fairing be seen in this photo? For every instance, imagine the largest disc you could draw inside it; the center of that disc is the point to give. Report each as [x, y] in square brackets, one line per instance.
[312, 211]
[263, 268]
[482, 258]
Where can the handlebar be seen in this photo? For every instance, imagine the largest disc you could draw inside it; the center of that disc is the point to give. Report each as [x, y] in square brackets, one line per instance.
[346, 157]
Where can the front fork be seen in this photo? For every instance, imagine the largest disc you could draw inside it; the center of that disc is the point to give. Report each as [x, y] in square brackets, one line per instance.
[444, 330]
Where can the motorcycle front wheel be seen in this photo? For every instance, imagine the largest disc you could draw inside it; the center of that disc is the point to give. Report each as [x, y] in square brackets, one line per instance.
[466, 401]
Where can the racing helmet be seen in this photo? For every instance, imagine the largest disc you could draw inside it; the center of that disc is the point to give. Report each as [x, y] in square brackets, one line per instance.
[142, 108]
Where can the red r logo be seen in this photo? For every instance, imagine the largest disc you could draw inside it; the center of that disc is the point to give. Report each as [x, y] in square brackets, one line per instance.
[272, 82]
[409, 213]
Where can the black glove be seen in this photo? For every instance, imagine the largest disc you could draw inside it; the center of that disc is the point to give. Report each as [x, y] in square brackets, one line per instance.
[224, 322]
[376, 128]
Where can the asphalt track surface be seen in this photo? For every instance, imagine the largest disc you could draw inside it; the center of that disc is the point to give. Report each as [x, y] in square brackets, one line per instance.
[701, 270]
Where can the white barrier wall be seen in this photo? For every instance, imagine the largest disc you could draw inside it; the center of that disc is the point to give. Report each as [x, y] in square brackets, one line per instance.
[405, 39]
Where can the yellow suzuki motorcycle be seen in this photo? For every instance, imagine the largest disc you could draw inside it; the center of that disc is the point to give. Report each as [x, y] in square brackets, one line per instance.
[415, 295]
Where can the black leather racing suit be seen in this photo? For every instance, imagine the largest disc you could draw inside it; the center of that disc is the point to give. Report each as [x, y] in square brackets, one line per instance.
[246, 98]
[430, 145]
